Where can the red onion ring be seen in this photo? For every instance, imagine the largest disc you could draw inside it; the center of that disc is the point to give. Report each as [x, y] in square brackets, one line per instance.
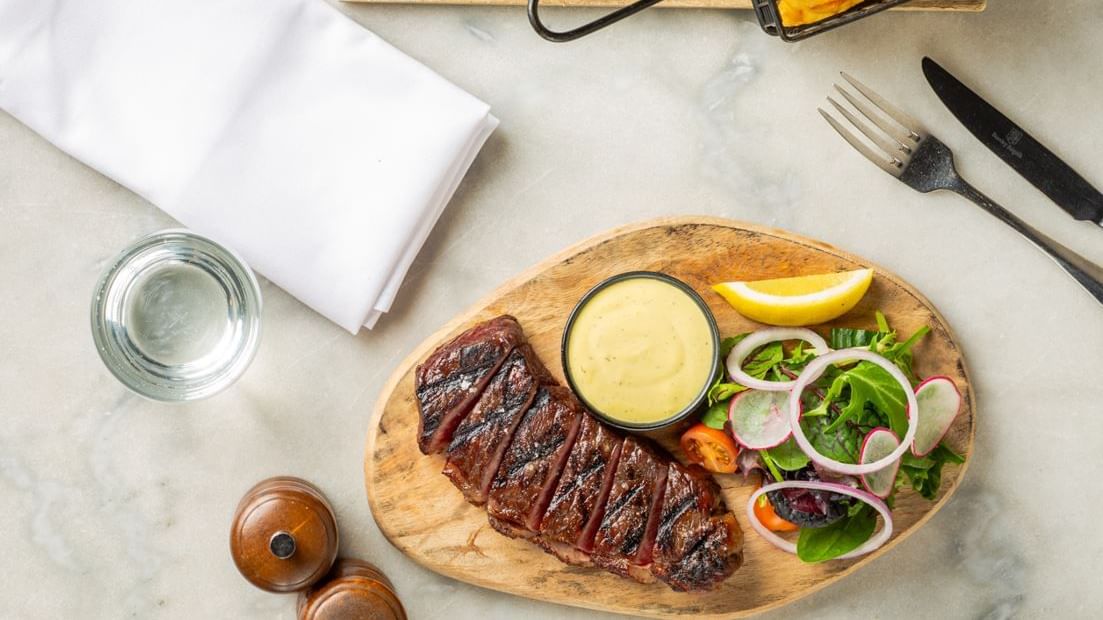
[812, 371]
[766, 336]
[874, 542]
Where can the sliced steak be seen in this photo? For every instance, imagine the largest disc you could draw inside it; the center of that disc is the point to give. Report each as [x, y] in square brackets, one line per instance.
[698, 543]
[623, 540]
[511, 530]
[448, 383]
[531, 466]
[559, 478]
[482, 437]
[578, 504]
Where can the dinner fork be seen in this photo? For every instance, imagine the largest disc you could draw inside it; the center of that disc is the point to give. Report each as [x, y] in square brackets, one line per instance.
[925, 164]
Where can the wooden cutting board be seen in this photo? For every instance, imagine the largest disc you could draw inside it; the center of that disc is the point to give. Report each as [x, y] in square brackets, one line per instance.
[914, 5]
[423, 515]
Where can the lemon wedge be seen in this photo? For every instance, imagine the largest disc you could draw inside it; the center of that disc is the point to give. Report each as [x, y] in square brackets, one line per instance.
[803, 300]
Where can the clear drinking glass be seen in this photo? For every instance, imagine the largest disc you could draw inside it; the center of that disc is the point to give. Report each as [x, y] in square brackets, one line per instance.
[176, 316]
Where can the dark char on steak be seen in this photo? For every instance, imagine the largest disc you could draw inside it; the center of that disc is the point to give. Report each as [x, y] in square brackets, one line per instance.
[482, 438]
[576, 508]
[452, 378]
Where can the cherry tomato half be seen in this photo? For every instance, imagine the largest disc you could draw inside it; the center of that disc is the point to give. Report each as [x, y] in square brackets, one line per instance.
[711, 448]
[764, 512]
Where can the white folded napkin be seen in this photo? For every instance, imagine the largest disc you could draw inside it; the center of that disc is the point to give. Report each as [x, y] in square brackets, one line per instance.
[279, 127]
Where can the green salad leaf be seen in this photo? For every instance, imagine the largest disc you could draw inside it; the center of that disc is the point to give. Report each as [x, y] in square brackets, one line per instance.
[846, 338]
[819, 544]
[716, 416]
[769, 464]
[924, 474]
[883, 342]
[727, 344]
[757, 366]
[788, 456]
[843, 444]
[867, 385]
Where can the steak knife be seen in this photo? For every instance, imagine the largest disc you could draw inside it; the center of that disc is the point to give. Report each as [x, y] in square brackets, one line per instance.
[1016, 147]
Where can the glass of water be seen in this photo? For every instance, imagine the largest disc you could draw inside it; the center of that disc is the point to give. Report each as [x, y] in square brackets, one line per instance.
[176, 316]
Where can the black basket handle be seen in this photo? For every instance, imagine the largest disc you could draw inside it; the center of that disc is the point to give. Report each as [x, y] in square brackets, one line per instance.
[560, 36]
[765, 10]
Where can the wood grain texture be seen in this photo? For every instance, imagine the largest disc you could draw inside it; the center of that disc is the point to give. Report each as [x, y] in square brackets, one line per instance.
[915, 5]
[425, 517]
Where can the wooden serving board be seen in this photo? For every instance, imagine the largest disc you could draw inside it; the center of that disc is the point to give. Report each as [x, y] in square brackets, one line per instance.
[914, 5]
[423, 515]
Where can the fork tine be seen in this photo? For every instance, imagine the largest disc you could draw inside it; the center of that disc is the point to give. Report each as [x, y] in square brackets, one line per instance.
[904, 119]
[904, 142]
[890, 147]
[883, 161]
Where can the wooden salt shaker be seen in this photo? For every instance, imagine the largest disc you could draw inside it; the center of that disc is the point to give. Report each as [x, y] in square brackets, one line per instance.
[355, 589]
[284, 535]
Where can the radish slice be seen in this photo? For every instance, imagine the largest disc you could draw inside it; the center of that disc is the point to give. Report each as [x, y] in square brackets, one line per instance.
[812, 371]
[760, 420]
[879, 443]
[872, 544]
[766, 336]
[939, 403]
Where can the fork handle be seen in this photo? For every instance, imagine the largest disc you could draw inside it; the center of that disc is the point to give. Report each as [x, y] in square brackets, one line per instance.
[1087, 273]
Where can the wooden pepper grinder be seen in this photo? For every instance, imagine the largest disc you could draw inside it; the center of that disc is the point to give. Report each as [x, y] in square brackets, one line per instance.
[284, 539]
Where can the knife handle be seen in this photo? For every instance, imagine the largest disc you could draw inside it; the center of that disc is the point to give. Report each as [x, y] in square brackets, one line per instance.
[1087, 273]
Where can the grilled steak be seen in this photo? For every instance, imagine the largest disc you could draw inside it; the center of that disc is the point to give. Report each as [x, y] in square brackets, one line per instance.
[556, 476]
[623, 541]
[449, 382]
[578, 504]
[530, 468]
[698, 542]
[482, 437]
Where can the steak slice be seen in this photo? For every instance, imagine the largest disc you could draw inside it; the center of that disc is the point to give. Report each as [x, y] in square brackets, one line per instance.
[698, 543]
[622, 544]
[482, 437]
[448, 383]
[531, 466]
[576, 508]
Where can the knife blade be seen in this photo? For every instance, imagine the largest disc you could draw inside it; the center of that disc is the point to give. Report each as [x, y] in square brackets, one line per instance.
[1016, 147]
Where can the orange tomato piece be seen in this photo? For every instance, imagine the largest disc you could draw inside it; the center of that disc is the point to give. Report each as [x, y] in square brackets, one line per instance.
[713, 449]
[764, 512]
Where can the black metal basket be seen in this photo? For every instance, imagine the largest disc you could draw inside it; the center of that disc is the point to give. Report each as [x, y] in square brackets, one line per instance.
[769, 17]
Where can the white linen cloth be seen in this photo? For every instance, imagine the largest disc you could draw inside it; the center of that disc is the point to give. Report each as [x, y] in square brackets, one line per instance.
[279, 127]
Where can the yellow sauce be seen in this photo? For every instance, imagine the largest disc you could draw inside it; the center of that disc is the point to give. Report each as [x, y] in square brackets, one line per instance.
[640, 350]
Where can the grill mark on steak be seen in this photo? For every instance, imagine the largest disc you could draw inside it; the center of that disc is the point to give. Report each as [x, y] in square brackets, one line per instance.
[575, 482]
[708, 559]
[578, 505]
[531, 466]
[623, 530]
[670, 516]
[612, 511]
[696, 544]
[482, 437]
[449, 382]
[586, 540]
[527, 455]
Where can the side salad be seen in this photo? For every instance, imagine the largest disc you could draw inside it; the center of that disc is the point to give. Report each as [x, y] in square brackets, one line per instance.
[834, 427]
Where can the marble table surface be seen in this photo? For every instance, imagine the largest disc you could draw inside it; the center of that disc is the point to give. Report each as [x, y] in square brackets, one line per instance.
[117, 507]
